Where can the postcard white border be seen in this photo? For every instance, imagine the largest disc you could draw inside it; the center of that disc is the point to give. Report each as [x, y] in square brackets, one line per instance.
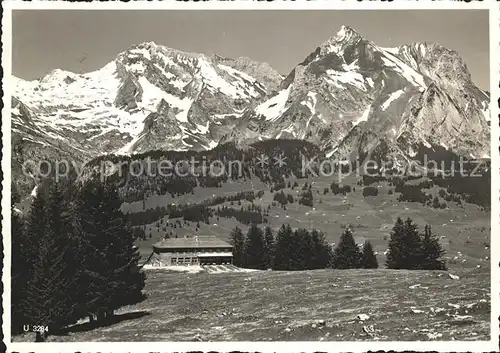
[310, 346]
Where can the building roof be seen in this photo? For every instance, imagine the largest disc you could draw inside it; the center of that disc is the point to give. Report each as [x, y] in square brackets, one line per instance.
[215, 254]
[192, 242]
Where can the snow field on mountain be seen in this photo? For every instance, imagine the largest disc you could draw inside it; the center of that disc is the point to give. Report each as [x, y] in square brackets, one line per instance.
[86, 90]
[242, 81]
[364, 116]
[310, 103]
[349, 77]
[152, 95]
[212, 79]
[92, 92]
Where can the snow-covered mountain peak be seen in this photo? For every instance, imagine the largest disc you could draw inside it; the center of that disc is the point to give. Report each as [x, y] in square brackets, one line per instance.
[149, 97]
[349, 94]
[58, 75]
[346, 33]
[345, 37]
[346, 95]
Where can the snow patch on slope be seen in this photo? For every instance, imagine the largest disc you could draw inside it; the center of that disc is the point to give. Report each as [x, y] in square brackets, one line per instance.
[34, 191]
[236, 89]
[486, 111]
[152, 95]
[329, 154]
[141, 52]
[310, 102]
[275, 106]
[290, 130]
[242, 81]
[348, 77]
[393, 50]
[393, 97]
[203, 129]
[364, 116]
[211, 145]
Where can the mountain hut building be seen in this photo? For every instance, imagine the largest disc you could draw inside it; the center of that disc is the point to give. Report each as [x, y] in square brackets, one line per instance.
[196, 250]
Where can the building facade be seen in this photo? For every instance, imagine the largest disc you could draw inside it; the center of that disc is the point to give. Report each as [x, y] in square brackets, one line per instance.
[196, 250]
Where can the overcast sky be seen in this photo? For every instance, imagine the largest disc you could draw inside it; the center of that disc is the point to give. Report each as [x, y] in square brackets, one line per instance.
[83, 41]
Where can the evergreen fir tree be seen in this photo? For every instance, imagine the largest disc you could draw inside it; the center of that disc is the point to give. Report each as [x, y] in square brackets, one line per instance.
[347, 254]
[281, 260]
[44, 300]
[413, 244]
[19, 267]
[368, 259]
[36, 225]
[127, 278]
[238, 243]
[396, 254]
[432, 251]
[301, 247]
[254, 248]
[322, 254]
[268, 247]
[93, 255]
[405, 246]
[111, 276]
[61, 222]
[48, 301]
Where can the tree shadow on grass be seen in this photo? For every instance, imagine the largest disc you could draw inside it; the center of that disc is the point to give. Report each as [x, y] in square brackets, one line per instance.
[88, 326]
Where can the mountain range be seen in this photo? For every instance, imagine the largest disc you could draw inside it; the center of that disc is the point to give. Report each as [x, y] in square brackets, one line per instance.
[348, 96]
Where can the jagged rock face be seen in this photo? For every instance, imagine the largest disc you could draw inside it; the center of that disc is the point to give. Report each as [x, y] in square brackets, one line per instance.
[263, 72]
[350, 94]
[149, 97]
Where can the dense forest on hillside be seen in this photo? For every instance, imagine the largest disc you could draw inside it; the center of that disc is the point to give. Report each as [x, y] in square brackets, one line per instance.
[228, 161]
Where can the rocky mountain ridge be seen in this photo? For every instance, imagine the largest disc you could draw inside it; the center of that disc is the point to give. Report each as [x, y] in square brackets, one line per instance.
[348, 96]
[150, 96]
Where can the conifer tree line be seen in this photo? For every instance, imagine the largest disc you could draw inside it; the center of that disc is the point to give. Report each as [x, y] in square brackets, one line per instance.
[301, 249]
[288, 250]
[73, 257]
[295, 250]
[347, 254]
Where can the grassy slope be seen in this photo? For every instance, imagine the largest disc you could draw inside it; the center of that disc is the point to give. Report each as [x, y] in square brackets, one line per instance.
[286, 306]
[465, 231]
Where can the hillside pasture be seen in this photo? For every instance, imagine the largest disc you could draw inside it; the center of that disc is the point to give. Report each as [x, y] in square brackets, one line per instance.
[321, 305]
[464, 231]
